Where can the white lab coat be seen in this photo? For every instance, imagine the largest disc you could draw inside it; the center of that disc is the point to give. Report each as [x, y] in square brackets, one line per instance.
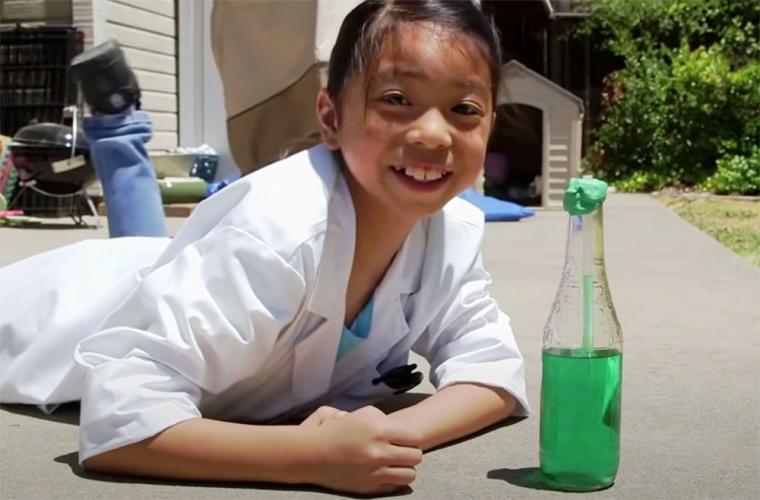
[239, 316]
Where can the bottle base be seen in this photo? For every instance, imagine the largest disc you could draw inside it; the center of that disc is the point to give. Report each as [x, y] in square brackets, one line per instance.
[575, 482]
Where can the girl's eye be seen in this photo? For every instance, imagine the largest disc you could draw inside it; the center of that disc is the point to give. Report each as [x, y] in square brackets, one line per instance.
[396, 98]
[468, 109]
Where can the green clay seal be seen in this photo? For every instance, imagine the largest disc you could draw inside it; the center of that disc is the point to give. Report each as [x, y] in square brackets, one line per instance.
[585, 195]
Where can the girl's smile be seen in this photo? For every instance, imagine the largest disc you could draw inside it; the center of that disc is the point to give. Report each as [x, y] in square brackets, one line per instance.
[413, 130]
[422, 178]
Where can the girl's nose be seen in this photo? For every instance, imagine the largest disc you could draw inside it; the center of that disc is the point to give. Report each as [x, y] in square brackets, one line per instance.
[430, 130]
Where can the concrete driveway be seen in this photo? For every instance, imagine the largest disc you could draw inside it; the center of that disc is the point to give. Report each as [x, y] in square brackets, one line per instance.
[690, 311]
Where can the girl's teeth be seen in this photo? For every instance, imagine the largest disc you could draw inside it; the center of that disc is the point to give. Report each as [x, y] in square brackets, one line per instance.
[433, 175]
[421, 174]
[417, 173]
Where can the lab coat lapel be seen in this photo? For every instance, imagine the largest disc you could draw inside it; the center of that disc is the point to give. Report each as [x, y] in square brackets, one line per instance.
[314, 356]
[389, 323]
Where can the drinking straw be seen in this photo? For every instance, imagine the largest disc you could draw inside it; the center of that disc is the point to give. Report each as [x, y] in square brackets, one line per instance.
[588, 282]
[582, 198]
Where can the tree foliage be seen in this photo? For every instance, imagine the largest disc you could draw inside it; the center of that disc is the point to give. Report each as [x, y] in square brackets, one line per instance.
[688, 97]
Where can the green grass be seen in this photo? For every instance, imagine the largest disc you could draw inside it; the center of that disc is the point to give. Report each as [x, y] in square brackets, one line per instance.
[734, 223]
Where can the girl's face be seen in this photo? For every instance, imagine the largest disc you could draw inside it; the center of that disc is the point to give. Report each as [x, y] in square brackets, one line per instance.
[414, 134]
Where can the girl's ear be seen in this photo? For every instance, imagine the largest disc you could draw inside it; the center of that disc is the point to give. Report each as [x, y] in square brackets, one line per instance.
[327, 115]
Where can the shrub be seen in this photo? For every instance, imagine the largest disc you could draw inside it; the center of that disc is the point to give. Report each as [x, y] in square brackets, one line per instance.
[684, 109]
[736, 175]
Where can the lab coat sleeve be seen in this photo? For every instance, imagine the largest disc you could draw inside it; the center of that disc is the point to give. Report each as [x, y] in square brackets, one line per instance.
[470, 341]
[200, 322]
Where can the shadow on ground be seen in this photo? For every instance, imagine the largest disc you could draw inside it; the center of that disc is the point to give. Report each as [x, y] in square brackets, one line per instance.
[67, 413]
[48, 225]
[498, 425]
[71, 459]
[529, 477]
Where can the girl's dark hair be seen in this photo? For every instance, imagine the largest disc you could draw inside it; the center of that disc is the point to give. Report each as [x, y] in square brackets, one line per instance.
[365, 28]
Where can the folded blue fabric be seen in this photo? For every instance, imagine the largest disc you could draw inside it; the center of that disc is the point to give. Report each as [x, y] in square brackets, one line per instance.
[496, 209]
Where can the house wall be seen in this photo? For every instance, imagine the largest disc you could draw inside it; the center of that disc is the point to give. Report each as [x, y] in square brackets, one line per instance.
[204, 117]
[48, 11]
[82, 18]
[146, 30]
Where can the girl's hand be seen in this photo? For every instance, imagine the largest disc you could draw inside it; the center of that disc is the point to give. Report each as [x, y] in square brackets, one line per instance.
[322, 415]
[366, 452]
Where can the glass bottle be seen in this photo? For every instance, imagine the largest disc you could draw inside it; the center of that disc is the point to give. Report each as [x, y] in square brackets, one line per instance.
[581, 368]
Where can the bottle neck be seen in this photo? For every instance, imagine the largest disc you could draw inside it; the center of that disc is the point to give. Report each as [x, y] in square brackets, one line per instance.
[583, 318]
[585, 242]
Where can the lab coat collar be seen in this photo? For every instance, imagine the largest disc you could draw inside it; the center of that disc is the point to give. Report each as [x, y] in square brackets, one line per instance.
[389, 325]
[315, 369]
[339, 241]
[314, 356]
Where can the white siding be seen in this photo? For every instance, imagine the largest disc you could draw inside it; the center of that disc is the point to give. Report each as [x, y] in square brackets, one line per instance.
[163, 140]
[116, 11]
[164, 121]
[47, 11]
[146, 30]
[150, 80]
[81, 17]
[144, 40]
[163, 7]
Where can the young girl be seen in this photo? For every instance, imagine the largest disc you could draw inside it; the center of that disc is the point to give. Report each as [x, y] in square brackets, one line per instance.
[298, 289]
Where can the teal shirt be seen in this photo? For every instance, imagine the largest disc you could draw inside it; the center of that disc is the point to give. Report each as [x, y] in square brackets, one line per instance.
[358, 331]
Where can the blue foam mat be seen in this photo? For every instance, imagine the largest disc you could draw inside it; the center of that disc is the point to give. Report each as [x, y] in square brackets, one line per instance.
[496, 209]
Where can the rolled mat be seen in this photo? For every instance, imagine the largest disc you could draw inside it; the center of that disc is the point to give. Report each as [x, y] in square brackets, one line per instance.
[182, 189]
[496, 209]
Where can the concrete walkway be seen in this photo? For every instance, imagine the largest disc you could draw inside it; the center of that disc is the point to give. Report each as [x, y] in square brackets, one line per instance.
[690, 311]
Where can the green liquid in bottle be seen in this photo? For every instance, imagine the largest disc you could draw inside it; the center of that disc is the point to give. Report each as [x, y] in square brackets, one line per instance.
[580, 418]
